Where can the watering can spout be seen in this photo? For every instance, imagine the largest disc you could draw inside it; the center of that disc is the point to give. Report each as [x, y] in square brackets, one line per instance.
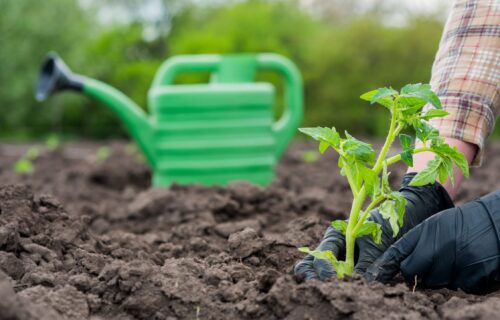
[55, 76]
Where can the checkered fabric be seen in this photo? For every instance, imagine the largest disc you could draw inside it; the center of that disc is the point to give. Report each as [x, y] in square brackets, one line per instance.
[466, 72]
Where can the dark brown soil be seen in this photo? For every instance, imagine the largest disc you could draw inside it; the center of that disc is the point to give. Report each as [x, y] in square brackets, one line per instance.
[82, 239]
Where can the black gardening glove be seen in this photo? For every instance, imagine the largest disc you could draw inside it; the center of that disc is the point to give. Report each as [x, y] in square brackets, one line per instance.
[422, 202]
[457, 248]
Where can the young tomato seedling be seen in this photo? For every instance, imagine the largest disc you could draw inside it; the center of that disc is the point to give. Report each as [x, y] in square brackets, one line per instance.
[25, 164]
[367, 173]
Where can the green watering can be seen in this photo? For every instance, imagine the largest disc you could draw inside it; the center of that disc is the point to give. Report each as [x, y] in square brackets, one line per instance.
[211, 133]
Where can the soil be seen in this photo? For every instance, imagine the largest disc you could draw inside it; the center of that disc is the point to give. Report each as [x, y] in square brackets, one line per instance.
[84, 239]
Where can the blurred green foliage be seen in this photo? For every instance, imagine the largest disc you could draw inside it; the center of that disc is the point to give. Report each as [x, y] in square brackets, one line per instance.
[339, 57]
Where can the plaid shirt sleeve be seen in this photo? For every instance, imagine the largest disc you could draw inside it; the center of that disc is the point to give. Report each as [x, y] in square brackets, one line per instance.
[466, 72]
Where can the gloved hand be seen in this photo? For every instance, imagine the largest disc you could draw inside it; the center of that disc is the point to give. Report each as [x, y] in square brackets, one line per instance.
[457, 248]
[422, 202]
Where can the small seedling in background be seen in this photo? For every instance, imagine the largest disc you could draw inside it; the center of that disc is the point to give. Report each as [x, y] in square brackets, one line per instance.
[102, 154]
[25, 164]
[310, 156]
[367, 173]
[132, 150]
[52, 143]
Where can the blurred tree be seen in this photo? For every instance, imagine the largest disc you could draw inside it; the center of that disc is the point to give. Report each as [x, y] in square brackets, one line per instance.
[28, 30]
[341, 50]
[361, 56]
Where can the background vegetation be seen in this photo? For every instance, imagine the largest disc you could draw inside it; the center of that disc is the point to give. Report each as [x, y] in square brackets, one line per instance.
[341, 48]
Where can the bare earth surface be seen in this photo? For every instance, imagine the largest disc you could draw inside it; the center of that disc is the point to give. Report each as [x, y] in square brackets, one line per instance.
[82, 239]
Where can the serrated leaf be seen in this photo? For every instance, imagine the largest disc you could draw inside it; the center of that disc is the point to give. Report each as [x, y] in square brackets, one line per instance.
[425, 131]
[410, 105]
[405, 140]
[323, 146]
[328, 256]
[407, 157]
[370, 228]
[341, 269]
[386, 102]
[400, 205]
[414, 87]
[445, 150]
[324, 255]
[370, 179]
[434, 113]
[447, 166]
[383, 93]
[386, 187]
[388, 211]
[442, 174]
[358, 150]
[422, 91]
[428, 175]
[339, 225]
[328, 135]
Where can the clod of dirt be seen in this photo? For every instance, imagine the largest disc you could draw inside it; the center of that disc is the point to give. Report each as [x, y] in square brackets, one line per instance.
[245, 243]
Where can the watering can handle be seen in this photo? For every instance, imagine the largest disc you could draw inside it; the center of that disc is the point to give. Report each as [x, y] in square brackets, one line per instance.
[185, 64]
[286, 126]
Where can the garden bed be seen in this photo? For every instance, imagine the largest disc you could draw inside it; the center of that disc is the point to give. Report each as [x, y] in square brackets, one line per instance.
[84, 239]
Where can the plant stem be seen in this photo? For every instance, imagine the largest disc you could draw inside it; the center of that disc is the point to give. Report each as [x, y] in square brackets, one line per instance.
[359, 198]
[350, 234]
[372, 205]
[397, 157]
[388, 141]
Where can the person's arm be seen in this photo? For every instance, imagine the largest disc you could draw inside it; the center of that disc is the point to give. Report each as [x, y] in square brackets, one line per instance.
[465, 76]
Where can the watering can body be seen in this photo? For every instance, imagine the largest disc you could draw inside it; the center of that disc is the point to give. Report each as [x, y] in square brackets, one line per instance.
[212, 133]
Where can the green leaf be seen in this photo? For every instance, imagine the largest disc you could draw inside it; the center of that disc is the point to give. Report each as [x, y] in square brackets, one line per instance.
[340, 225]
[405, 140]
[386, 187]
[446, 168]
[323, 146]
[428, 175]
[358, 150]
[434, 113]
[407, 157]
[341, 269]
[324, 134]
[356, 168]
[421, 91]
[400, 205]
[382, 93]
[370, 179]
[328, 256]
[442, 173]
[324, 255]
[425, 131]
[388, 211]
[370, 228]
[407, 153]
[385, 101]
[410, 105]
[445, 150]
